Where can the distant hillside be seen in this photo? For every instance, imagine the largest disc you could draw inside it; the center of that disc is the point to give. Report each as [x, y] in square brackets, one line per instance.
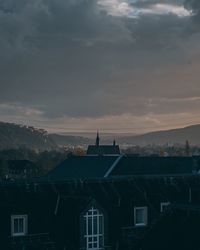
[173, 136]
[16, 136]
[190, 133]
[70, 140]
[13, 136]
[81, 139]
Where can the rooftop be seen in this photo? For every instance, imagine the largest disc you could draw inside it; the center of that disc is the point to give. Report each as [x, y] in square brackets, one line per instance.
[105, 166]
[98, 149]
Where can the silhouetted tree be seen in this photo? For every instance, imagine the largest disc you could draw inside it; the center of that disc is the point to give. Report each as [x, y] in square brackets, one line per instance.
[187, 148]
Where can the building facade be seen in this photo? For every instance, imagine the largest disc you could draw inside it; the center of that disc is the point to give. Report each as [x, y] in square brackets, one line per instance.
[104, 202]
[113, 213]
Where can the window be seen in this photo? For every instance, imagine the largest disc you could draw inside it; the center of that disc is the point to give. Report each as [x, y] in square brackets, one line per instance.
[140, 216]
[19, 225]
[163, 206]
[94, 226]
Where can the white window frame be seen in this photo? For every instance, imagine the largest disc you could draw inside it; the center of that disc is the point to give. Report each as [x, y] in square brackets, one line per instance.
[93, 239]
[143, 224]
[25, 225]
[164, 204]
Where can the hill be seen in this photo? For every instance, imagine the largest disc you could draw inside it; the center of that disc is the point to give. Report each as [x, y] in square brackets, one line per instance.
[17, 136]
[180, 135]
[173, 136]
[70, 140]
[13, 136]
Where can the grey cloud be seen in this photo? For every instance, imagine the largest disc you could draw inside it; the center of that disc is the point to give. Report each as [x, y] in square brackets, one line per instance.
[194, 5]
[70, 58]
[29, 25]
[39, 23]
[146, 3]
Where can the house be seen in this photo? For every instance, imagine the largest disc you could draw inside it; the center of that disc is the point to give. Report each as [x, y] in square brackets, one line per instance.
[110, 213]
[98, 149]
[103, 202]
[17, 169]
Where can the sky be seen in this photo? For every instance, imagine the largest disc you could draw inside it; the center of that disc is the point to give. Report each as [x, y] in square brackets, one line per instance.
[114, 65]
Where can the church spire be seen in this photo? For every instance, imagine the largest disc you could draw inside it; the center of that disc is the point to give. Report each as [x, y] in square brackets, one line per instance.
[97, 139]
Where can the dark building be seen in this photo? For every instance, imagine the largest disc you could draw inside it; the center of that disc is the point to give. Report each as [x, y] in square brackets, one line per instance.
[98, 149]
[18, 169]
[104, 202]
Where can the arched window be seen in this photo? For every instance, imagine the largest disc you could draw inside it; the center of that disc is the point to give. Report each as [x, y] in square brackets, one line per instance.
[94, 229]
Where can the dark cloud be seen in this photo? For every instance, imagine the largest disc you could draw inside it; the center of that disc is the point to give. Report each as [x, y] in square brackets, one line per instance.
[73, 58]
[194, 5]
[52, 24]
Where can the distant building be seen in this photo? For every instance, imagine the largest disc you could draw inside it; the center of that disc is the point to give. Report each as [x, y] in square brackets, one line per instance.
[98, 149]
[17, 169]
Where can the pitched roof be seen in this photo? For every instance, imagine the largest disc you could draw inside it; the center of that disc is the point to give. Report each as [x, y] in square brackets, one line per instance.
[104, 166]
[82, 167]
[103, 150]
[129, 165]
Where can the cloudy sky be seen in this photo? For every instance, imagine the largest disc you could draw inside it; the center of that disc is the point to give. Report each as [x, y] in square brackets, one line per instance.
[112, 65]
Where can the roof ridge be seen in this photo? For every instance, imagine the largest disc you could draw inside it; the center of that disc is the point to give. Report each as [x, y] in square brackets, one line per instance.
[113, 165]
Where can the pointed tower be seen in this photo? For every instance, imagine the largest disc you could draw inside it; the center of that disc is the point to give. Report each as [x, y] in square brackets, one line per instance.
[102, 150]
[97, 139]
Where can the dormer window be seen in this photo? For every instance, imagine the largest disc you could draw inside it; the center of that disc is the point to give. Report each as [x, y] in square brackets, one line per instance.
[19, 225]
[140, 216]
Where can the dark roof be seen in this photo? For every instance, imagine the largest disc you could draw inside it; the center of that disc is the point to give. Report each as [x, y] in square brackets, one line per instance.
[129, 165]
[101, 166]
[82, 167]
[103, 150]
